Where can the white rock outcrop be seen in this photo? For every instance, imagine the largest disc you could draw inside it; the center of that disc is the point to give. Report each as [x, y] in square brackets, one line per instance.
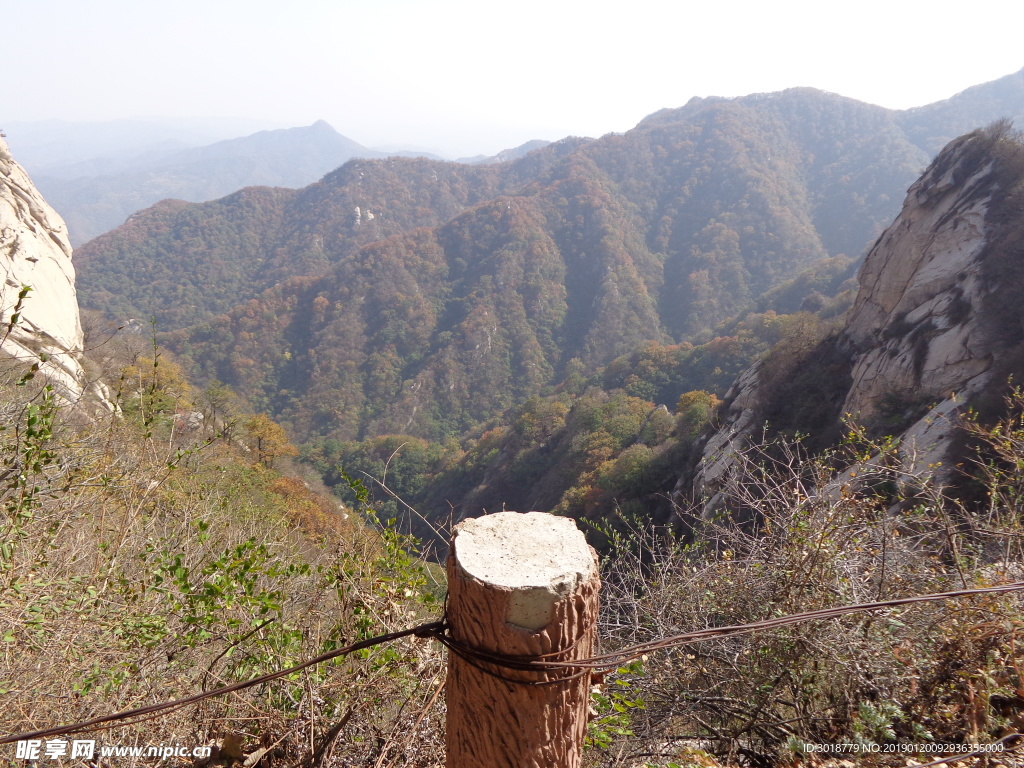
[919, 337]
[35, 252]
[914, 327]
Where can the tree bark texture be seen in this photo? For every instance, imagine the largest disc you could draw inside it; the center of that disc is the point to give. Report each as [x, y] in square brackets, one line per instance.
[522, 585]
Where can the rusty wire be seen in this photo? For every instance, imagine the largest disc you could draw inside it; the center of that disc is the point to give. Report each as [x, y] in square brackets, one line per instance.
[423, 630]
[561, 671]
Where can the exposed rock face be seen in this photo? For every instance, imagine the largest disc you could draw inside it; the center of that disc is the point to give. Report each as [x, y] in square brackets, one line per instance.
[914, 327]
[35, 252]
[928, 332]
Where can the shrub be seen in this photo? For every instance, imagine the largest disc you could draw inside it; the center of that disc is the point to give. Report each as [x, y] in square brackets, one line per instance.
[945, 672]
[139, 567]
[695, 411]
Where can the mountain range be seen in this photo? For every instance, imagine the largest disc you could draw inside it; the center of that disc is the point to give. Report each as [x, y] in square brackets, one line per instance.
[97, 195]
[423, 297]
[97, 175]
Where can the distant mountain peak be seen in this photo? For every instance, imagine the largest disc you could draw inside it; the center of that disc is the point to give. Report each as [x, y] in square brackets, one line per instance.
[95, 202]
[322, 125]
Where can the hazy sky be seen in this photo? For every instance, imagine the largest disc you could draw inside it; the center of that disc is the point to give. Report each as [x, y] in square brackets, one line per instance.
[472, 76]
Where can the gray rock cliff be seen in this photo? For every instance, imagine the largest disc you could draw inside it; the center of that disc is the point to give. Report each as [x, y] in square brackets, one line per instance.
[35, 253]
[937, 322]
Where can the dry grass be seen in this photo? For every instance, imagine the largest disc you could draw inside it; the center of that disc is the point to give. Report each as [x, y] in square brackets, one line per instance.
[944, 672]
[144, 564]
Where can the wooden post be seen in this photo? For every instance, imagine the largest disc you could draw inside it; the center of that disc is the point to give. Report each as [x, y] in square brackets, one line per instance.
[522, 585]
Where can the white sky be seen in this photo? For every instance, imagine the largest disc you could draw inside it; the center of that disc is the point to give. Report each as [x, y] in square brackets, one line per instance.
[472, 76]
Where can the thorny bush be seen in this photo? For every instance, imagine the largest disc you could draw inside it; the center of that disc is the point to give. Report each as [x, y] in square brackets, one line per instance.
[801, 536]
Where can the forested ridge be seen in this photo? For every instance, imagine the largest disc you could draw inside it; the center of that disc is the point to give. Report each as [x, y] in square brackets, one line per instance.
[348, 326]
[407, 302]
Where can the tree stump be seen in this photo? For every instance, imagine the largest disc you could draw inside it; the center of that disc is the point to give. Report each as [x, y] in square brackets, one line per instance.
[519, 585]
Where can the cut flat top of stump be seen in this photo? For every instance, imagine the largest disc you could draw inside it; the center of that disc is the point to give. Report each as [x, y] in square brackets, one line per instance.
[539, 557]
[523, 551]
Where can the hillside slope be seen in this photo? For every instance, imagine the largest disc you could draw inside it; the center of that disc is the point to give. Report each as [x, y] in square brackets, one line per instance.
[652, 235]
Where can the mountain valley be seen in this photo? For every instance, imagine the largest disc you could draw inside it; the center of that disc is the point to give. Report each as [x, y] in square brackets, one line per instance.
[763, 349]
[409, 296]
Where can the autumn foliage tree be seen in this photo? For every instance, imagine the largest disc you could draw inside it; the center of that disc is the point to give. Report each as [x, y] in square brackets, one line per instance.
[268, 439]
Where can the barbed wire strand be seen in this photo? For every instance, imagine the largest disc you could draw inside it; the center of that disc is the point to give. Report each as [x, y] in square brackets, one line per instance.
[423, 630]
[618, 658]
[441, 631]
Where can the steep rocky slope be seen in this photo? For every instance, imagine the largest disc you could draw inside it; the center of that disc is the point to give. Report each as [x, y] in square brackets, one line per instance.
[35, 253]
[936, 325]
